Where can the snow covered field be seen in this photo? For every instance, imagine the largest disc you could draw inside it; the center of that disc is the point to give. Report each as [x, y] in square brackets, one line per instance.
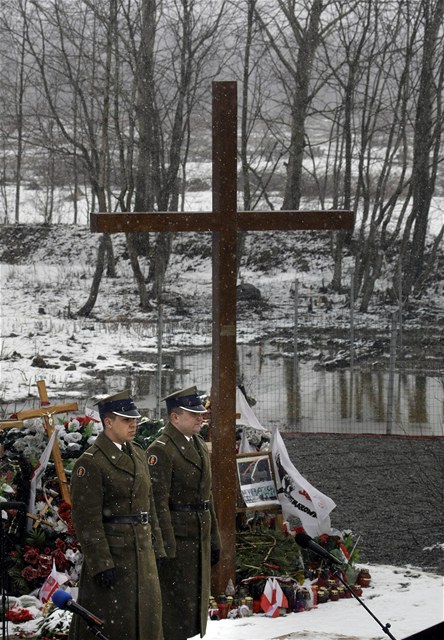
[410, 601]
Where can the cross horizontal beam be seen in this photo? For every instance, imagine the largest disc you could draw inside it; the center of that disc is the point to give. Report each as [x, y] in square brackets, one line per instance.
[10, 424]
[208, 221]
[45, 411]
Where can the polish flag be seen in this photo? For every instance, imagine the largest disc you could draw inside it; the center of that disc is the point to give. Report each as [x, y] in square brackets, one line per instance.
[51, 584]
[267, 596]
[273, 611]
[278, 595]
[344, 553]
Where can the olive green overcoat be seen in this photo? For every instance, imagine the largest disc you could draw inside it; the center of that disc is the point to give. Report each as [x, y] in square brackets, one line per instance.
[106, 481]
[181, 474]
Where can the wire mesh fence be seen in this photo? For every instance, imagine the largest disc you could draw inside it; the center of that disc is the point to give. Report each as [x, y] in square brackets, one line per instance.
[316, 364]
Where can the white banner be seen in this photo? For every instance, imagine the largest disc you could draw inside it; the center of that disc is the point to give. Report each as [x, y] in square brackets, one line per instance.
[36, 480]
[247, 415]
[296, 495]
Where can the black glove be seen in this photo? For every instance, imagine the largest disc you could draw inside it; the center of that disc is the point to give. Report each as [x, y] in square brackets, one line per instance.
[215, 556]
[106, 578]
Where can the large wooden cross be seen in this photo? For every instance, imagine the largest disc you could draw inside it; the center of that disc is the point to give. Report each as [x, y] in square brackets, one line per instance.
[224, 221]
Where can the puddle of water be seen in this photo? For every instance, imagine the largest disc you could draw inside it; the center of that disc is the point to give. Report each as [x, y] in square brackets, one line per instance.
[306, 400]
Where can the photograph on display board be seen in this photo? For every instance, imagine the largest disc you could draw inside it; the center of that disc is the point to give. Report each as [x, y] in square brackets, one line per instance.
[256, 480]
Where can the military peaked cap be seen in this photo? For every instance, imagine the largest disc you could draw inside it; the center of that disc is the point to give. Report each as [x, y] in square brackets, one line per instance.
[187, 399]
[120, 403]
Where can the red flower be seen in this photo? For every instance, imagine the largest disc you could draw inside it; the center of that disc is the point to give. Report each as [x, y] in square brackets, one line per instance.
[61, 562]
[323, 539]
[60, 544]
[64, 511]
[31, 555]
[18, 615]
[44, 566]
[29, 573]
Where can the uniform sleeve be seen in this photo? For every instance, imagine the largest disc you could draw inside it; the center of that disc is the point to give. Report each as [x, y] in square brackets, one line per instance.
[87, 507]
[161, 469]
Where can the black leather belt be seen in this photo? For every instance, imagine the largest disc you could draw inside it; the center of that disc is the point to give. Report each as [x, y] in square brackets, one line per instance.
[137, 518]
[199, 506]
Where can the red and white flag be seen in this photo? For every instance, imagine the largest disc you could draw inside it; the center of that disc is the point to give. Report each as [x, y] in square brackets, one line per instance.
[344, 553]
[273, 611]
[273, 598]
[51, 584]
[267, 595]
[279, 596]
[296, 495]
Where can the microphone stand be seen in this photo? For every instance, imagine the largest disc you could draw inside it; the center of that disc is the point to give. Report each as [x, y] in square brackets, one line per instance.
[337, 572]
[4, 506]
[3, 574]
[95, 630]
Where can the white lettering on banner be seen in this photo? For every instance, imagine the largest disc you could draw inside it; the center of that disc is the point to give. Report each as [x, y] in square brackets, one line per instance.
[296, 495]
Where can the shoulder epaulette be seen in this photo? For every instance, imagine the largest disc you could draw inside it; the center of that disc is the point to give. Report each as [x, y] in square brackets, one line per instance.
[92, 450]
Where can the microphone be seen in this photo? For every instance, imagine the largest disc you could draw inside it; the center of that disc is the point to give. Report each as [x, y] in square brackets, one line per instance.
[63, 600]
[304, 541]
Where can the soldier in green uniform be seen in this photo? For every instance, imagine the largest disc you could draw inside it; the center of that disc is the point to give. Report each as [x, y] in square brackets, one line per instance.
[115, 521]
[181, 475]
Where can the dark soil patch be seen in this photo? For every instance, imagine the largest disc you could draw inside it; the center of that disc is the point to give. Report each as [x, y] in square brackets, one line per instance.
[387, 490]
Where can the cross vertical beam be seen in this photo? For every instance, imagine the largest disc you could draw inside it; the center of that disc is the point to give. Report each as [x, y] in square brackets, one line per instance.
[223, 394]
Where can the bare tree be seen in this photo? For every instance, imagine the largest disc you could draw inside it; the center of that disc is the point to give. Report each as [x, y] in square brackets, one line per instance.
[17, 75]
[428, 129]
[169, 87]
[345, 59]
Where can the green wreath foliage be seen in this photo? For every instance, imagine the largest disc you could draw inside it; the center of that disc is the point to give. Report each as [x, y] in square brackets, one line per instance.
[267, 552]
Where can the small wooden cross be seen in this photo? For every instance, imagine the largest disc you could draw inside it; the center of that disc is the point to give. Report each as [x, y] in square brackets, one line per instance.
[39, 518]
[47, 412]
[224, 221]
[10, 423]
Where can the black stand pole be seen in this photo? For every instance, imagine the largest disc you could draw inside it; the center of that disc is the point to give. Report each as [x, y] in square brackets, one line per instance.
[337, 572]
[3, 578]
[95, 630]
[4, 506]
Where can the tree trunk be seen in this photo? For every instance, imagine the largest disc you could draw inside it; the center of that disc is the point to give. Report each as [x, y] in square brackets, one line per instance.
[371, 275]
[160, 262]
[427, 137]
[309, 40]
[138, 275]
[97, 278]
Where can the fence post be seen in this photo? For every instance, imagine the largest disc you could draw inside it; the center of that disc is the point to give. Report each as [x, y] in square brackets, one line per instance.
[391, 380]
[296, 408]
[400, 308]
[352, 339]
[159, 353]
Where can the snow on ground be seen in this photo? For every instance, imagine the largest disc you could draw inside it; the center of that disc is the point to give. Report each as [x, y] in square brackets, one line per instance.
[409, 600]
